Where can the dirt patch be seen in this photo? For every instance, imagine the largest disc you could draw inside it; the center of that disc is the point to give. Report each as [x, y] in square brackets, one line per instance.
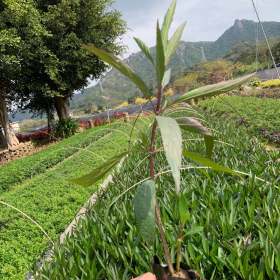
[22, 150]
[273, 137]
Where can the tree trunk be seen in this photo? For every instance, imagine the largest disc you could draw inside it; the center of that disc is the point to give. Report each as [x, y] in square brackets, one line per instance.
[11, 140]
[3, 143]
[62, 107]
[51, 120]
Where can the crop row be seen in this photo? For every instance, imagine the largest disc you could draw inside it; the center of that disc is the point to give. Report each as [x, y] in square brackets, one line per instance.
[52, 201]
[233, 232]
[19, 170]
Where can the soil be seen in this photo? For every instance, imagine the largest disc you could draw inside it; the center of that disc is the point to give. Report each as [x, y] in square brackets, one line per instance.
[162, 272]
[22, 150]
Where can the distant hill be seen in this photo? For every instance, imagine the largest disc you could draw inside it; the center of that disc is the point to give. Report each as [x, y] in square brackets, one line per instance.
[114, 88]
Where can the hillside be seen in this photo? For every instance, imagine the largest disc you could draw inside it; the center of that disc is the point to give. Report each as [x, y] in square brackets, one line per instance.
[115, 88]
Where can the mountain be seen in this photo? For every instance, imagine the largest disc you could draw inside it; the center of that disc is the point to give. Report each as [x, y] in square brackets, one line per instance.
[115, 88]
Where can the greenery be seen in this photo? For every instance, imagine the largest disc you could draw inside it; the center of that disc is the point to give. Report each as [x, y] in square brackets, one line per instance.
[65, 128]
[256, 113]
[232, 231]
[270, 83]
[21, 34]
[72, 24]
[22, 169]
[42, 57]
[164, 119]
[117, 88]
[51, 200]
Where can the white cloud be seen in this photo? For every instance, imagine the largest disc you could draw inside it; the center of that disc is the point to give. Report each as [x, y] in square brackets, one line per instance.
[206, 19]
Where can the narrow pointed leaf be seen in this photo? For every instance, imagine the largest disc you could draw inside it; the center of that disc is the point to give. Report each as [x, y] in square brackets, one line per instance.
[184, 214]
[194, 125]
[121, 67]
[99, 172]
[172, 142]
[168, 21]
[166, 78]
[212, 90]
[160, 56]
[144, 209]
[145, 49]
[208, 162]
[174, 42]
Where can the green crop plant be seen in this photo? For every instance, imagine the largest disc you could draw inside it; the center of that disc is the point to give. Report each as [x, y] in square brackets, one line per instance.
[170, 118]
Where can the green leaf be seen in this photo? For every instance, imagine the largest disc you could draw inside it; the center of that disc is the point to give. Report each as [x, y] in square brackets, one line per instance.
[172, 142]
[166, 78]
[194, 125]
[144, 209]
[208, 163]
[212, 90]
[168, 21]
[183, 210]
[194, 230]
[145, 49]
[121, 67]
[160, 56]
[174, 42]
[99, 172]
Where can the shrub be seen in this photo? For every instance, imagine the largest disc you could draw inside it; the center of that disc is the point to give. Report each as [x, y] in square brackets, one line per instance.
[255, 82]
[65, 128]
[270, 83]
[140, 101]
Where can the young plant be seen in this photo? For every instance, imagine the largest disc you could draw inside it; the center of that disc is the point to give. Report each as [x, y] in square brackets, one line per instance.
[164, 120]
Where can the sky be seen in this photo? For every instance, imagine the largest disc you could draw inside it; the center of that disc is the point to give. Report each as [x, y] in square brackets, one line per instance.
[206, 19]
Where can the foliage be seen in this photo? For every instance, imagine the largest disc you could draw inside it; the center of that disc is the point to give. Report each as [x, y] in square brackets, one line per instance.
[22, 169]
[231, 233]
[162, 120]
[140, 101]
[205, 73]
[22, 35]
[72, 24]
[117, 87]
[270, 83]
[255, 82]
[51, 200]
[255, 113]
[65, 128]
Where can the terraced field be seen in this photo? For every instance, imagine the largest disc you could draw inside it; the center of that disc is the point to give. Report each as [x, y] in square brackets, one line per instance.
[233, 231]
[39, 186]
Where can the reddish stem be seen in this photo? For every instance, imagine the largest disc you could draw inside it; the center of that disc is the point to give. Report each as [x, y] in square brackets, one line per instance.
[152, 175]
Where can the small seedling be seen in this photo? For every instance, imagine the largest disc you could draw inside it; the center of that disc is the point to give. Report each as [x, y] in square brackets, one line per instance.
[164, 119]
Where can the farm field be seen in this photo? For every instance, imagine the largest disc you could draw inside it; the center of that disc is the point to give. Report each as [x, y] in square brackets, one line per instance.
[233, 230]
[25, 168]
[48, 196]
[260, 115]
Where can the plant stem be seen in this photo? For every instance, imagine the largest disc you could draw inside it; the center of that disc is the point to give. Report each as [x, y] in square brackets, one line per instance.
[179, 247]
[164, 242]
[167, 255]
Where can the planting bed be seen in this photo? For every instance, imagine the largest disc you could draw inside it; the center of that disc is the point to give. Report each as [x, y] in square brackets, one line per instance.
[261, 116]
[49, 198]
[19, 170]
[233, 231]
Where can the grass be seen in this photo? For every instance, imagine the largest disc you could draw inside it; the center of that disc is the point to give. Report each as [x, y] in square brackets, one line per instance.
[19, 170]
[233, 231]
[254, 112]
[50, 199]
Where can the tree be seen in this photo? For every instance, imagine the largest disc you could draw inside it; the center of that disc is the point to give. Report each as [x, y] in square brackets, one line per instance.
[72, 24]
[276, 52]
[20, 29]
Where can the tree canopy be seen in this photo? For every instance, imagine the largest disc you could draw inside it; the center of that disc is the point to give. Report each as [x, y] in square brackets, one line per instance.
[42, 58]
